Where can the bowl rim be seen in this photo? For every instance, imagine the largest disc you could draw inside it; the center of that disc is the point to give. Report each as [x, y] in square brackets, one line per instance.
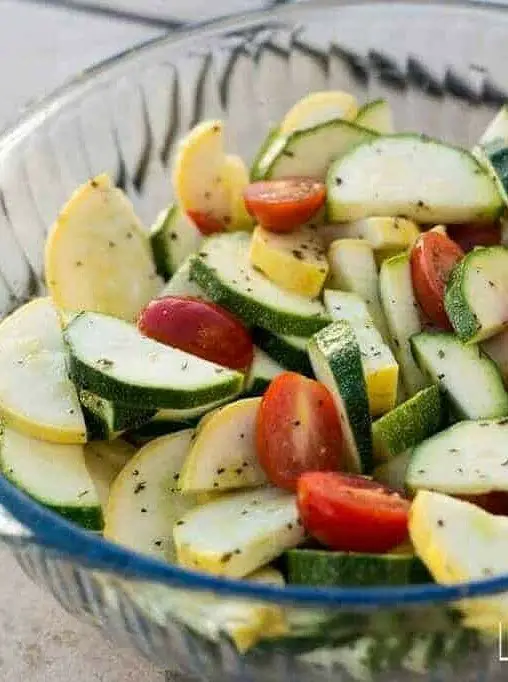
[73, 543]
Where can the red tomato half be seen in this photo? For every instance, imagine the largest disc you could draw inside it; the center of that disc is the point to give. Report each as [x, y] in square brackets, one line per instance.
[352, 513]
[432, 259]
[207, 224]
[298, 430]
[283, 205]
[470, 235]
[198, 327]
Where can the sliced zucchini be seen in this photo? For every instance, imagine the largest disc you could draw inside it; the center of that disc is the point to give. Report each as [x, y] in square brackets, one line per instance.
[222, 269]
[403, 318]
[493, 150]
[322, 568]
[270, 148]
[377, 116]
[107, 419]
[353, 268]
[497, 128]
[173, 237]
[104, 461]
[96, 234]
[223, 455]
[310, 152]
[288, 351]
[392, 472]
[469, 378]
[144, 502]
[337, 362]
[54, 475]
[239, 532]
[261, 373]
[414, 176]
[497, 350]
[112, 359]
[380, 370]
[459, 543]
[36, 395]
[317, 108]
[296, 261]
[476, 298]
[181, 284]
[409, 424]
[469, 458]
[154, 429]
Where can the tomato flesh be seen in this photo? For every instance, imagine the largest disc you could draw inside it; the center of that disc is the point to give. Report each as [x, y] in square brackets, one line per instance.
[298, 430]
[433, 257]
[470, 235]
[351, 513]
[206, 223]
[200, 328]
[284, 205]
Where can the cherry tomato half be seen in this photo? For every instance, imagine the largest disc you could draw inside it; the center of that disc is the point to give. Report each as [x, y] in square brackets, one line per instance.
[283, 205]
[298, 430]
[470, 235]
[352, 513]
[206, 223]
[198, 327]
[432, 259]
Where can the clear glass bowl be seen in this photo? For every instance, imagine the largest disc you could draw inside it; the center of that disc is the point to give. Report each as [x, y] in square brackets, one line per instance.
[443, 68]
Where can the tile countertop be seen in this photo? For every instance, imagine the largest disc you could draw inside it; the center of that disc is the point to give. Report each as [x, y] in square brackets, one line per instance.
[40, 47]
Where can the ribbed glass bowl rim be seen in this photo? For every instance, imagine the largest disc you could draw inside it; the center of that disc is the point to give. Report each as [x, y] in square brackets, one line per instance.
[69, 541]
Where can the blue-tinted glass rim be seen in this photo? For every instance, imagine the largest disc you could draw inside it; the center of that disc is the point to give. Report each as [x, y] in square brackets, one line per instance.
[72, 542]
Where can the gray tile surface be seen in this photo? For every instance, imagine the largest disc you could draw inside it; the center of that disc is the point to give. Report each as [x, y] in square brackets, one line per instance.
[39, 642]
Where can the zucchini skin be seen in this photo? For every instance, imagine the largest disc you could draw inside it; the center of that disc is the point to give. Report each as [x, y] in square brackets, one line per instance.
[462, 317]
[290, 357]
[90, 518]
[338, 346]
[252, 312]
[108, 387]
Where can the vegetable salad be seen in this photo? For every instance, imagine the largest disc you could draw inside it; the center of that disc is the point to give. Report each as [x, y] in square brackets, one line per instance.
[302, 363]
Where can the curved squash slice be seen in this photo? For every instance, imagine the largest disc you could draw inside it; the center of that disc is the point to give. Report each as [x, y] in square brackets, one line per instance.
[98, 257]
[239, 532]
[36, 395]
[223, 455]
[144, 502]
[319, 107]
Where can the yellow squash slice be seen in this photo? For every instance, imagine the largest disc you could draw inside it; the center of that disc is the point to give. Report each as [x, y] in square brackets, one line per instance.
[239, 532]
[98, 257]
[295, 261]
[459, 542]
[319, 107]
[223, 454]
[36, 394]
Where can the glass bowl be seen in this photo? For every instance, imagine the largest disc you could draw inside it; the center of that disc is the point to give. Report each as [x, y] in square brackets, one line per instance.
[443, 68]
